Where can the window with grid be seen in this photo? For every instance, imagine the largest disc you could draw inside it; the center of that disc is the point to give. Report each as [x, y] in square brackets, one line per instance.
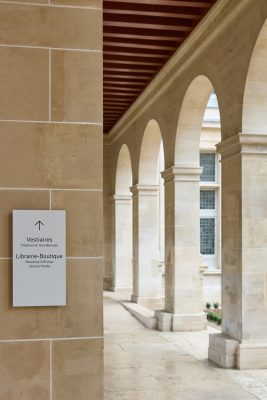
[207, 236]
[207, 199]
[207, 162]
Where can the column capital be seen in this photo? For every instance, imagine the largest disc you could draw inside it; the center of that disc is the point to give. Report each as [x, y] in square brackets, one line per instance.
[145, 190]
[183, 173]
[120, 198]
[243, 143]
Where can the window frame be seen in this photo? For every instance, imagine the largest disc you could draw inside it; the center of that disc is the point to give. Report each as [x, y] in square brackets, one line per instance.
[216, 213]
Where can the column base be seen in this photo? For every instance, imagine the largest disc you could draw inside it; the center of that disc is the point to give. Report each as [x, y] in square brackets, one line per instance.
[189, 322]
[223, 350]
[229, 353]
[153, 303]
[107, 283]
[252, 356]
[164, 321]
[181, 322]
[119, 289]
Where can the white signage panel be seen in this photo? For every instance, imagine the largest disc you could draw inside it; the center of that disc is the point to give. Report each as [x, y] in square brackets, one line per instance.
[39, 258]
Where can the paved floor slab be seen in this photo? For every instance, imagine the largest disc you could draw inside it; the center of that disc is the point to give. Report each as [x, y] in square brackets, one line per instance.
[143, 364]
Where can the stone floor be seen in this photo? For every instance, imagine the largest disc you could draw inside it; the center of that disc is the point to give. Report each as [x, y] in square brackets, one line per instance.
[143, 364]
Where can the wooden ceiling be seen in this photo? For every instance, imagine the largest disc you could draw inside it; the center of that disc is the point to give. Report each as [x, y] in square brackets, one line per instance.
[139, 38]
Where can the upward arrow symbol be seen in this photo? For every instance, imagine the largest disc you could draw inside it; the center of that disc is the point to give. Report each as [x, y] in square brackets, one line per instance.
[39, 223]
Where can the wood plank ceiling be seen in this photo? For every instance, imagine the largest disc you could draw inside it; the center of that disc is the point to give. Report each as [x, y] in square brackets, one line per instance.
[139, 38]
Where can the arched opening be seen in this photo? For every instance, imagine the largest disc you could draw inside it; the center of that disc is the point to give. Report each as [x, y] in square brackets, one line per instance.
[122, 224]
[150, 166]
[149, 154]
[210, 203]
[149, 221]
[190, 122]
[123, 172]
[255, 97]
[193, 195]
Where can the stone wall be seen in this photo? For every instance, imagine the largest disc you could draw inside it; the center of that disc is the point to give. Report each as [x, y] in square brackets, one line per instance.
[51, 158]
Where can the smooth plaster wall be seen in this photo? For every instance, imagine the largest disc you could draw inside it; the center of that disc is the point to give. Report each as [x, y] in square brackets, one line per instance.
[51, 158]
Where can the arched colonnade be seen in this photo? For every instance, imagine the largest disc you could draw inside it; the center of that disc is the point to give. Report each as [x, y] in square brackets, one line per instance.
[243, 341]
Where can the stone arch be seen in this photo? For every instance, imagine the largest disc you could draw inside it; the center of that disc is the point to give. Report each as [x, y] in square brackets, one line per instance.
[123, 179]
[148, 223]
[183, 198]
[254, 117]
[149, 154]
[190, 122]
[122, 224]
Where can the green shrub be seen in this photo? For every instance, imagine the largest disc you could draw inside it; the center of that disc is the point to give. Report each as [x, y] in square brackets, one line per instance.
[208, 305]
[216, 305]
[211, 316]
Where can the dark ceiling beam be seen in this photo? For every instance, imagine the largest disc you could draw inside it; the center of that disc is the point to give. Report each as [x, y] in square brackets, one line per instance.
[127, 46]
[112, 115]
[131, 68]
[115, 100]
[124, 82]
[125, 79]
[173, 3]
[145, 21]
[109, 88]
[119, 96]
[172, 13]
[119, 112]
[134, 59]
[144, 28]
[114, 108]
[153, 35]
[115, 93]
[136, 40]
[123, 87]
[132, 52]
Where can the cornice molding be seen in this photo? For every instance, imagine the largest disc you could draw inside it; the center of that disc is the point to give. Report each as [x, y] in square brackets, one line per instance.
[243, 143]
[181, 174]
[145, 190]
[121, 199]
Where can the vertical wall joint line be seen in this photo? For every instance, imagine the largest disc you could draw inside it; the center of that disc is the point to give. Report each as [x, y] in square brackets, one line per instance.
[51, 366]
[49, 82]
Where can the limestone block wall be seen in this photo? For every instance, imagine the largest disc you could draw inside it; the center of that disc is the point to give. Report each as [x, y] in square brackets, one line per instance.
[51, 158]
